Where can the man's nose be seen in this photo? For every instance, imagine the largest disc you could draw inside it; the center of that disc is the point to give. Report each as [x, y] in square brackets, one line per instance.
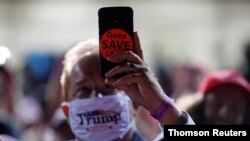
[223, 111]
[95, 93]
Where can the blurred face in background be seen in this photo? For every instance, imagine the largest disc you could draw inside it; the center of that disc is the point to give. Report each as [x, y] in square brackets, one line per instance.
[5, 84]
[6, 90]
[1, 84]
[225, 104]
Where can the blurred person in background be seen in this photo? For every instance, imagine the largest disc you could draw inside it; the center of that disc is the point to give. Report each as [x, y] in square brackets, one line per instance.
[36, 71]
[36, 124]
[223, 98]
[246, 68]
[9, 128]
[164, 76]
[8, 125]
[7, 86]
[7, 138]
[6, 90]
[61, 127]
[53, 96]
[186, 79]
[99, 108]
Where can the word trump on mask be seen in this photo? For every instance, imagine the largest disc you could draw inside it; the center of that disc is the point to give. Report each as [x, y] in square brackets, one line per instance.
[99, 117]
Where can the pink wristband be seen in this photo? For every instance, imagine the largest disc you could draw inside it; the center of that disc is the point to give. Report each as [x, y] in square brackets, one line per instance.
[166, 104]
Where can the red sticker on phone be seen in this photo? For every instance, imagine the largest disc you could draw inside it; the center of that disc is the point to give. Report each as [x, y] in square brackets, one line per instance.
[113, 41]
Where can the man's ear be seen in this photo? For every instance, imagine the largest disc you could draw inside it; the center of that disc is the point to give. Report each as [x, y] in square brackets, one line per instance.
[65, 109]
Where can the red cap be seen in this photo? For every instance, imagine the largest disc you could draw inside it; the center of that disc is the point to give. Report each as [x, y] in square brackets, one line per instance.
[223, 78]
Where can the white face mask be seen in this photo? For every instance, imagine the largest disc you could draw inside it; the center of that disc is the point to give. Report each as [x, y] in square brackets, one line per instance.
[100, 118]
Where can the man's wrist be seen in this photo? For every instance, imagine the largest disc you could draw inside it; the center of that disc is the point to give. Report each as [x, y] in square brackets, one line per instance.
[167, 102]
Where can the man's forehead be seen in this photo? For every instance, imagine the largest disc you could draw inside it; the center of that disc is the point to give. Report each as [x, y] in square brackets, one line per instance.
[87, 65]
[89, 59]
[231, 92]
[229, 88]
[77, 71]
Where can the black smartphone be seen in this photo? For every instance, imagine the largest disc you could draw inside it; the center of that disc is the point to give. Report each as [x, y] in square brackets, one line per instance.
[116, 34]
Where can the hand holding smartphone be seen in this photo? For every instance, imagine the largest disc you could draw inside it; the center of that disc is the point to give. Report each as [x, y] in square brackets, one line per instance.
[116, 34]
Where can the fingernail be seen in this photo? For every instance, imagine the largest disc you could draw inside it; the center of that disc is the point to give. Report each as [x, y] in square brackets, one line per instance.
[111, 57]
[114, 84]
[117, 82]
[106, 74]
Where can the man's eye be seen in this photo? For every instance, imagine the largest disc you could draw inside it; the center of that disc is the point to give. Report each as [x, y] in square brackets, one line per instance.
[107, 86]
[82, 92]
[83, 89]
[236, 108]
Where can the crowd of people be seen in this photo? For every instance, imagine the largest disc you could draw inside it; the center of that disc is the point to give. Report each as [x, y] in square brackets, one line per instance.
[69, 99]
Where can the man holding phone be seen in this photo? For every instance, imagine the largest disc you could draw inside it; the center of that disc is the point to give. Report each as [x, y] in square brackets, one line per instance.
[95, 110]
[98, 108]
[97, 105]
